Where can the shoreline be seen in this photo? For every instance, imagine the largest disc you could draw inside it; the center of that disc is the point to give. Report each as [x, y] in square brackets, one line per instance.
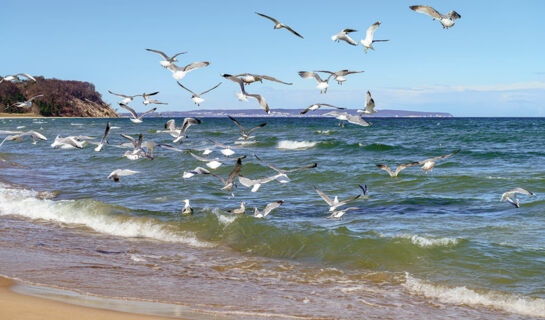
[18, 301]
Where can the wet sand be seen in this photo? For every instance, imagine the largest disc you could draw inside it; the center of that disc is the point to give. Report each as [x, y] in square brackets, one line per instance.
[18, 306]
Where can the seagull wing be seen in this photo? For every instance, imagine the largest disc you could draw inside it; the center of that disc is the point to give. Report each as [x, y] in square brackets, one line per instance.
[271, 206]
[28, 76]
[427, 10]
[440, 157]
[181, 85]
[261, 100]
[331, 106]
[214, 87]
[131, 110]
[164, 55]
[405, 165]
[196, 65]
[40, 95]
[106, 133]
[131, 139]
[257, 127]
[310, 74]
[293, 31]
[203, 158]
[453, 15]
[387, 169]
[342, 203]
[371, 30]
[236, 171]
[269, 165]
[314, 165]
[521, 191]
[147, 112]
[237, 123]
[270, 18]
[274, 79]
[324, 196]
[188, 122]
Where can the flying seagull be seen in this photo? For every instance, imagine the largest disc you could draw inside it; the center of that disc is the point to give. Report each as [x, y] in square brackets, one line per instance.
[322, 84]
[345, 116]
[147, 99]
[398, 169]
[249, 78]
[246, 134]
[179, 133]
[268, 208]
[194, 172]
[27, 103]
[168, 60]
[343, 35]
[104, 138]
[212, 163]
[227, 150]
[187, 210]
[256, 184]
[135, 117]
[284, 178]
[447, 21]
[278, 24]
[179, 73]
[317, 106]
[242, 96]
[429, 164]
[69, 142]
[335, 203]
[230, 181]
[127, 98]
[197, 97]
[369, 104]
[367, 43]
[121, 173]
[36, 136]
[16, 77]
[137, 152]
[240, 210]
[511, 196]
[339, 75]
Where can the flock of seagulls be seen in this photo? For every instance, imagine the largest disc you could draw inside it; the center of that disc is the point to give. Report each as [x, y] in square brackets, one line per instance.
[143, 149]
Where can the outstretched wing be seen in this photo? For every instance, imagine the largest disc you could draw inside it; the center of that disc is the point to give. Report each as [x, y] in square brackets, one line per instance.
[293, 31]
[214, 87]
[371, 30]
[314, 165]
[131, 110]
[196, 65]
[324, 196]
[147, 112]
[427, 10]
[271, 206]
[181, 85]
[237, 123]
[265, 16]
[274, 79]
[269, 165]
[164, 55]
[254, 128]
[133, 141]
[440, 157]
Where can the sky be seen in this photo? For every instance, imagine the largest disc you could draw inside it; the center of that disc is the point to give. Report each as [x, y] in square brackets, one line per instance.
[491, 63]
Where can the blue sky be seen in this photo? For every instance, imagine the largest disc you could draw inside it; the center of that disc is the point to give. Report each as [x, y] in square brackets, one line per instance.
[491, 63]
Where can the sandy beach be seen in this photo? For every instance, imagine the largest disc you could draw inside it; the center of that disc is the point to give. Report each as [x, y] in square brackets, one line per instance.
[17, 306]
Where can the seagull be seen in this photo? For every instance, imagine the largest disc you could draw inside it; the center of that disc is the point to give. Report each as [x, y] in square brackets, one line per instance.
[179, 133]
[27, 103]
[187, 210]
[69, 142]
[317, 106]
[339, 75]
[242, 96]
[137, 152]
[345, 116]
[338, 214]
[126, 98]
[227, 150]
[178, 73]
[268, 208]
[343, 35]
[194, 172]
[369, 104]
[283, 172]
[256, 184]
[36, 136]
[168, 60]
[147, 100]
[322, 84]
[135, 117]
[335, 203]
[121, 173]
[15, 77]
[398, 169]
[104, 138]
[240, 210]
[197, 97]
[230, 181]
[246, 134]
[212, 163]
[511, 196]
[447, 21]
[367, 43]
[249, 78]
[428, 164]
[278, 25]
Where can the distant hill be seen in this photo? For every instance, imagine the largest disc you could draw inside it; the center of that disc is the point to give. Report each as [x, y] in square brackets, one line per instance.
[289, 113]
[62, 98]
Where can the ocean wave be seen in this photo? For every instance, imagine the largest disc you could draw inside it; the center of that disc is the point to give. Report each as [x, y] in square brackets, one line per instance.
[296, 145]
[93, 214]
[426, 242]
[245, 142]
[326, 132]
[518, 304]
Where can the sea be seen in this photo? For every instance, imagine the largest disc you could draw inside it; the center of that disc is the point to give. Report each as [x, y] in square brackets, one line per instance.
[437, 245]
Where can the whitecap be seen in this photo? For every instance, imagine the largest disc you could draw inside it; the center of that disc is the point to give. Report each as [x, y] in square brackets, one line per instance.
[245, 142]
[225, 220]
[519, 304]
[426, 242]
[21, 127]
[326, 132]
[137, 258]
[295, 145]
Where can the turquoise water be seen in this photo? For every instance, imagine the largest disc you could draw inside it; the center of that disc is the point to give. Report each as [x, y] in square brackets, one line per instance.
[431, 236]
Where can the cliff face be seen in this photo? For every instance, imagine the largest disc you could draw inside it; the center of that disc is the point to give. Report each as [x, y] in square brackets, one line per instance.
[61, 98]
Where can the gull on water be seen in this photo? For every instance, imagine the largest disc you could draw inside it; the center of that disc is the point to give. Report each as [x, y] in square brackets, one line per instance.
[339, 75]
[179, 73]
[187, 210]
[121, 173]
[168, 60]
[268, 208]
[322, 84]
[137, 152]
[230, 181]
[367, 43]
[196, 97]
[335, 203]
[28, 103]
[283, 178]
[317, 106]
[345, 116]
[126, 98]
[246, 133]
[36, 136]
[135, 117]
[369, 104]
[194, 172]
[104, 140]
[147, 99]
[256, 184]
[511, 196]
[16, 77]
[343, 36]
[179, 133]
[278, 24]
[429, 164]
[239, 211]
[447, 20]
[243, 94]
[249, 78]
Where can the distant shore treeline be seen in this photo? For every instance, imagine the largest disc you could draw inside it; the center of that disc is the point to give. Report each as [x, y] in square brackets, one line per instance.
[61, 98]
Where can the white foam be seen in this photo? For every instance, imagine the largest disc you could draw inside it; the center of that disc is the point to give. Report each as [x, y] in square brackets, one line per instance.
[92, 214]
[519, 304]
[426, 242]
[137, 258]
[225, 220]
[245, 142]
[295, 145]
[326, 132]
